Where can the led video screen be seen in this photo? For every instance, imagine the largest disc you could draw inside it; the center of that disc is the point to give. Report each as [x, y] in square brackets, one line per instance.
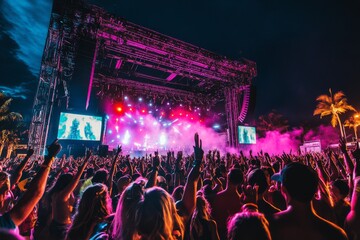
[79, 127]
[247, 135]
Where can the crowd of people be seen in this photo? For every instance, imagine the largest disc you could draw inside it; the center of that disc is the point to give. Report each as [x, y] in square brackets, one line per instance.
[205, 196]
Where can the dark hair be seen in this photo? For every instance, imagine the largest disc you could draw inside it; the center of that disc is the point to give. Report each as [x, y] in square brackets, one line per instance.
[61, 183]
[93, 208]
[100, 176]
[301, 181]
[342, 185]
[235, 176]
[257, 177]
[248, 225]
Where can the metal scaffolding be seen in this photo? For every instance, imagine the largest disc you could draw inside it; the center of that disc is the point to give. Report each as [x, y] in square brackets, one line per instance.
[137, 58]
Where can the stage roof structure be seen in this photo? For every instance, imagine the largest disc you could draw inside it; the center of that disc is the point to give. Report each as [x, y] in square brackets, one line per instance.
[136, 59]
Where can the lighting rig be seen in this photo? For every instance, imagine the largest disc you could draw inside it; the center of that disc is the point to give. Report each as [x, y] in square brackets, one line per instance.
[134, 59]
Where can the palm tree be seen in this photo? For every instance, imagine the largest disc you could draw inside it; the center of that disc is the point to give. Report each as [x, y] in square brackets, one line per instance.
[9, 121]
[7, 118]
[3, 139]
[353, 122]
[333, 105]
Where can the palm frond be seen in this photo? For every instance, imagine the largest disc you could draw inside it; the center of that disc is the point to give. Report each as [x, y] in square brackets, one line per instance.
[5, 106]
[338, 96]
[325, 113]
[324, 98]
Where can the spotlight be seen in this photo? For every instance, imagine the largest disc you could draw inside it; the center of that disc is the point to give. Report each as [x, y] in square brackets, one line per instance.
[140, 99]
[126, 98]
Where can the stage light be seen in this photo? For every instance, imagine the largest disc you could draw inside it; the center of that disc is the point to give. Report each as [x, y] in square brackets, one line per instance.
[117, 128]
[150, 104]
[126, 137]
[143, 111]
[129, 105]
[126, 98]
[118, 136]
[107, 117]
[140, 99]
[216, 126]
[110, 131]
[119, 109]
[168, 103]
[162, 139]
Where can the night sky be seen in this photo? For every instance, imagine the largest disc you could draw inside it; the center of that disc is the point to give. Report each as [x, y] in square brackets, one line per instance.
[302, 48]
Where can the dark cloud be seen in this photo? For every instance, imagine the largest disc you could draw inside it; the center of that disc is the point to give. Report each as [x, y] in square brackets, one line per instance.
[28, 23]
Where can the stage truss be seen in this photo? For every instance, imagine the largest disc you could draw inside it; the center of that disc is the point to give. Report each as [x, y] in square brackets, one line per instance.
[134, 59]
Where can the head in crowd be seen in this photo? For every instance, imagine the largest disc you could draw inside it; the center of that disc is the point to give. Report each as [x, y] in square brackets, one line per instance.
[124, 222]
[100, 176]
[161, 182]
[4, 183]
[257, 177]
[89, 172]
[157, 217]
[248, 225]
[178, 193]
[339, 189]
[93, 208]
[235, 177]
[269, 171]
[299, 182]
[60, 184]
[201, 212]
[123, 182]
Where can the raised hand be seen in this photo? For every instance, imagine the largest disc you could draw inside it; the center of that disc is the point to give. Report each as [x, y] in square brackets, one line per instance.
[156, 160]
[179, 155]
[118, 150]
[198, 151]
[54, 148]
[88, 154]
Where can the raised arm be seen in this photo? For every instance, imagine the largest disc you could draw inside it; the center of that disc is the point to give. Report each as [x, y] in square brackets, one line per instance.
[36, 189]
[348, 163]
[112, 170]
[15, 177]
[66, 192]
[189, 196]
[155, 169]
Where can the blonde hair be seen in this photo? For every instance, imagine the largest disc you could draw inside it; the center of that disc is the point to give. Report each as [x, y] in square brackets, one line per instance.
[157, 217]
[201, 212]
[124, 223]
